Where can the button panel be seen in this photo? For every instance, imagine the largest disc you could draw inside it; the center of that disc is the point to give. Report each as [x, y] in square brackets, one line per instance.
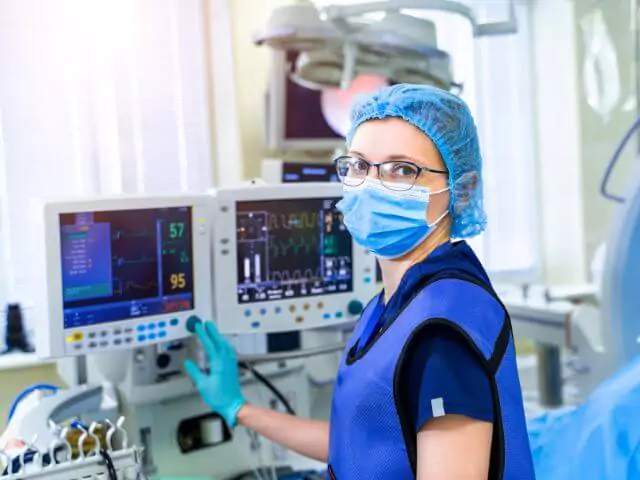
[313, 311]
[104, 337]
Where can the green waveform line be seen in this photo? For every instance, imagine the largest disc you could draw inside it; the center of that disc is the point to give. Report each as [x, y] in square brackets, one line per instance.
[123, 234]
[293, 244]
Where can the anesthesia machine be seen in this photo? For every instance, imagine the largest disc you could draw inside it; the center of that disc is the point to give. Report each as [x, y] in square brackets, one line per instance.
[123, 276]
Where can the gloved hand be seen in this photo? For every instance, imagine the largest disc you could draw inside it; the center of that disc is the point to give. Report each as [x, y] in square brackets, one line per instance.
[220, 389]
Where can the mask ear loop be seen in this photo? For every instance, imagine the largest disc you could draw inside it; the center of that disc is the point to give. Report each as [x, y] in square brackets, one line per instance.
[438, 220]
[446, 212]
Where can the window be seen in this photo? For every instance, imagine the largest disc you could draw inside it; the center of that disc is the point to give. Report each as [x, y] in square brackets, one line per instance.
[96, 97]
[496, 72]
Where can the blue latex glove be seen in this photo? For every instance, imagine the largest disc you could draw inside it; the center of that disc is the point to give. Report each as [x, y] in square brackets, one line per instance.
[220, 389]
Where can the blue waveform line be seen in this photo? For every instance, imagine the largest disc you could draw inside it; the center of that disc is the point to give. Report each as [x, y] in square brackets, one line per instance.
[119, 261]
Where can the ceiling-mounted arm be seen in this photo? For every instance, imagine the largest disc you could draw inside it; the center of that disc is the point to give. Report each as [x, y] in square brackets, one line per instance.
[338, 13]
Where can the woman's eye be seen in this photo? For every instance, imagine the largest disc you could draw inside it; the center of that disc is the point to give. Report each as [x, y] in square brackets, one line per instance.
[403, 171]
[359, 166]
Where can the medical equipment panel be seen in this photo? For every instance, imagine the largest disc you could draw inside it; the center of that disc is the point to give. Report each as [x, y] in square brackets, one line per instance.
[285, 261]
[123, 272]
[276, 171]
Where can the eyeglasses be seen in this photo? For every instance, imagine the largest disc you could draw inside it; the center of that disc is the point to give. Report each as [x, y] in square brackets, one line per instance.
[394, 174]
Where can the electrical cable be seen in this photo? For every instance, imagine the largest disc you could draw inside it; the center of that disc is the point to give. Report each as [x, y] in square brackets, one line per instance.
[111, 469]
[612, 163]
[25, 393]
[262, 379]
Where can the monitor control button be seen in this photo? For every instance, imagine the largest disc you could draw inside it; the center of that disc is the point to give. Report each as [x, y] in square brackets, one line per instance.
[355, 307]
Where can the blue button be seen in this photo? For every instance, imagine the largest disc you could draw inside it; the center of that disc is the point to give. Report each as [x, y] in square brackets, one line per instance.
[141, 338]
[142, 328]
[326, 316]
[247, 313]
[367, 279]
[152, 336]
[174, 322]
[278, 309]
[263, 311]
[162, 334]
[151, 326]
[162, 324]
[338, 314]
[255, 324]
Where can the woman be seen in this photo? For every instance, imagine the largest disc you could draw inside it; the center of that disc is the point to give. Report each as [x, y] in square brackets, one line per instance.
[428, 386]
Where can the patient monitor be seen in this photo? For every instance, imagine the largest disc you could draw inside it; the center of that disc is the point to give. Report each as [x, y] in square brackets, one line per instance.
[285, 261]
[122, 272]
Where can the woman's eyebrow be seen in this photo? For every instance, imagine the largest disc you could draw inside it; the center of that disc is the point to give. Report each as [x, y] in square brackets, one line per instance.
[388, 157]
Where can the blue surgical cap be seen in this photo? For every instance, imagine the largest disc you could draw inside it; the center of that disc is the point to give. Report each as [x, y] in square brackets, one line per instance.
[447, 121]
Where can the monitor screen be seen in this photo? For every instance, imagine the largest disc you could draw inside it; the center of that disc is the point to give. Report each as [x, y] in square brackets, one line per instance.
[124, 264]
[308, 172]
[291, 248]
[304, 118]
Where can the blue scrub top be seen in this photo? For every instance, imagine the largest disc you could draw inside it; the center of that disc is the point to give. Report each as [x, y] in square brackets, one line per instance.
[442, 369]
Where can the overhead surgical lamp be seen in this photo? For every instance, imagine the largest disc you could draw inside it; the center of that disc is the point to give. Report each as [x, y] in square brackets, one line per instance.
[338, 43]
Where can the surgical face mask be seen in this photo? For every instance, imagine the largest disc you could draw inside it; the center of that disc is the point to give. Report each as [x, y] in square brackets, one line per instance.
[387, 222]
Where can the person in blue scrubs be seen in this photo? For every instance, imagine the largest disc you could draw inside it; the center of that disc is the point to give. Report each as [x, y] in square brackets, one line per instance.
[428, 385]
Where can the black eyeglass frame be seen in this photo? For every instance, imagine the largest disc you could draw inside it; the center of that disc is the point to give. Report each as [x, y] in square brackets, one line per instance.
[419, 169]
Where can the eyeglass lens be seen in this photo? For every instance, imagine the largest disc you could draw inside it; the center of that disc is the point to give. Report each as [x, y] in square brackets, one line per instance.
[395, 175]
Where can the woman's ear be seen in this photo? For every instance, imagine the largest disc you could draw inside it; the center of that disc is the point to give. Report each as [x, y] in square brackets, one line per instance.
[464, 188]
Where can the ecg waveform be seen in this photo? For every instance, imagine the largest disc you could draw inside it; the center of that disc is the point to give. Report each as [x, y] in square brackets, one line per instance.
[150, 285]
[120, 261]
[294, 245]
[293, 221]
[118, 234]
[291, 276]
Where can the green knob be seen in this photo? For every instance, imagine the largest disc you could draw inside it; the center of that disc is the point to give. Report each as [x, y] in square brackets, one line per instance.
[355, 307]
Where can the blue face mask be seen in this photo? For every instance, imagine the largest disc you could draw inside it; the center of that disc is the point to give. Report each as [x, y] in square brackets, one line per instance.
[387, 222]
